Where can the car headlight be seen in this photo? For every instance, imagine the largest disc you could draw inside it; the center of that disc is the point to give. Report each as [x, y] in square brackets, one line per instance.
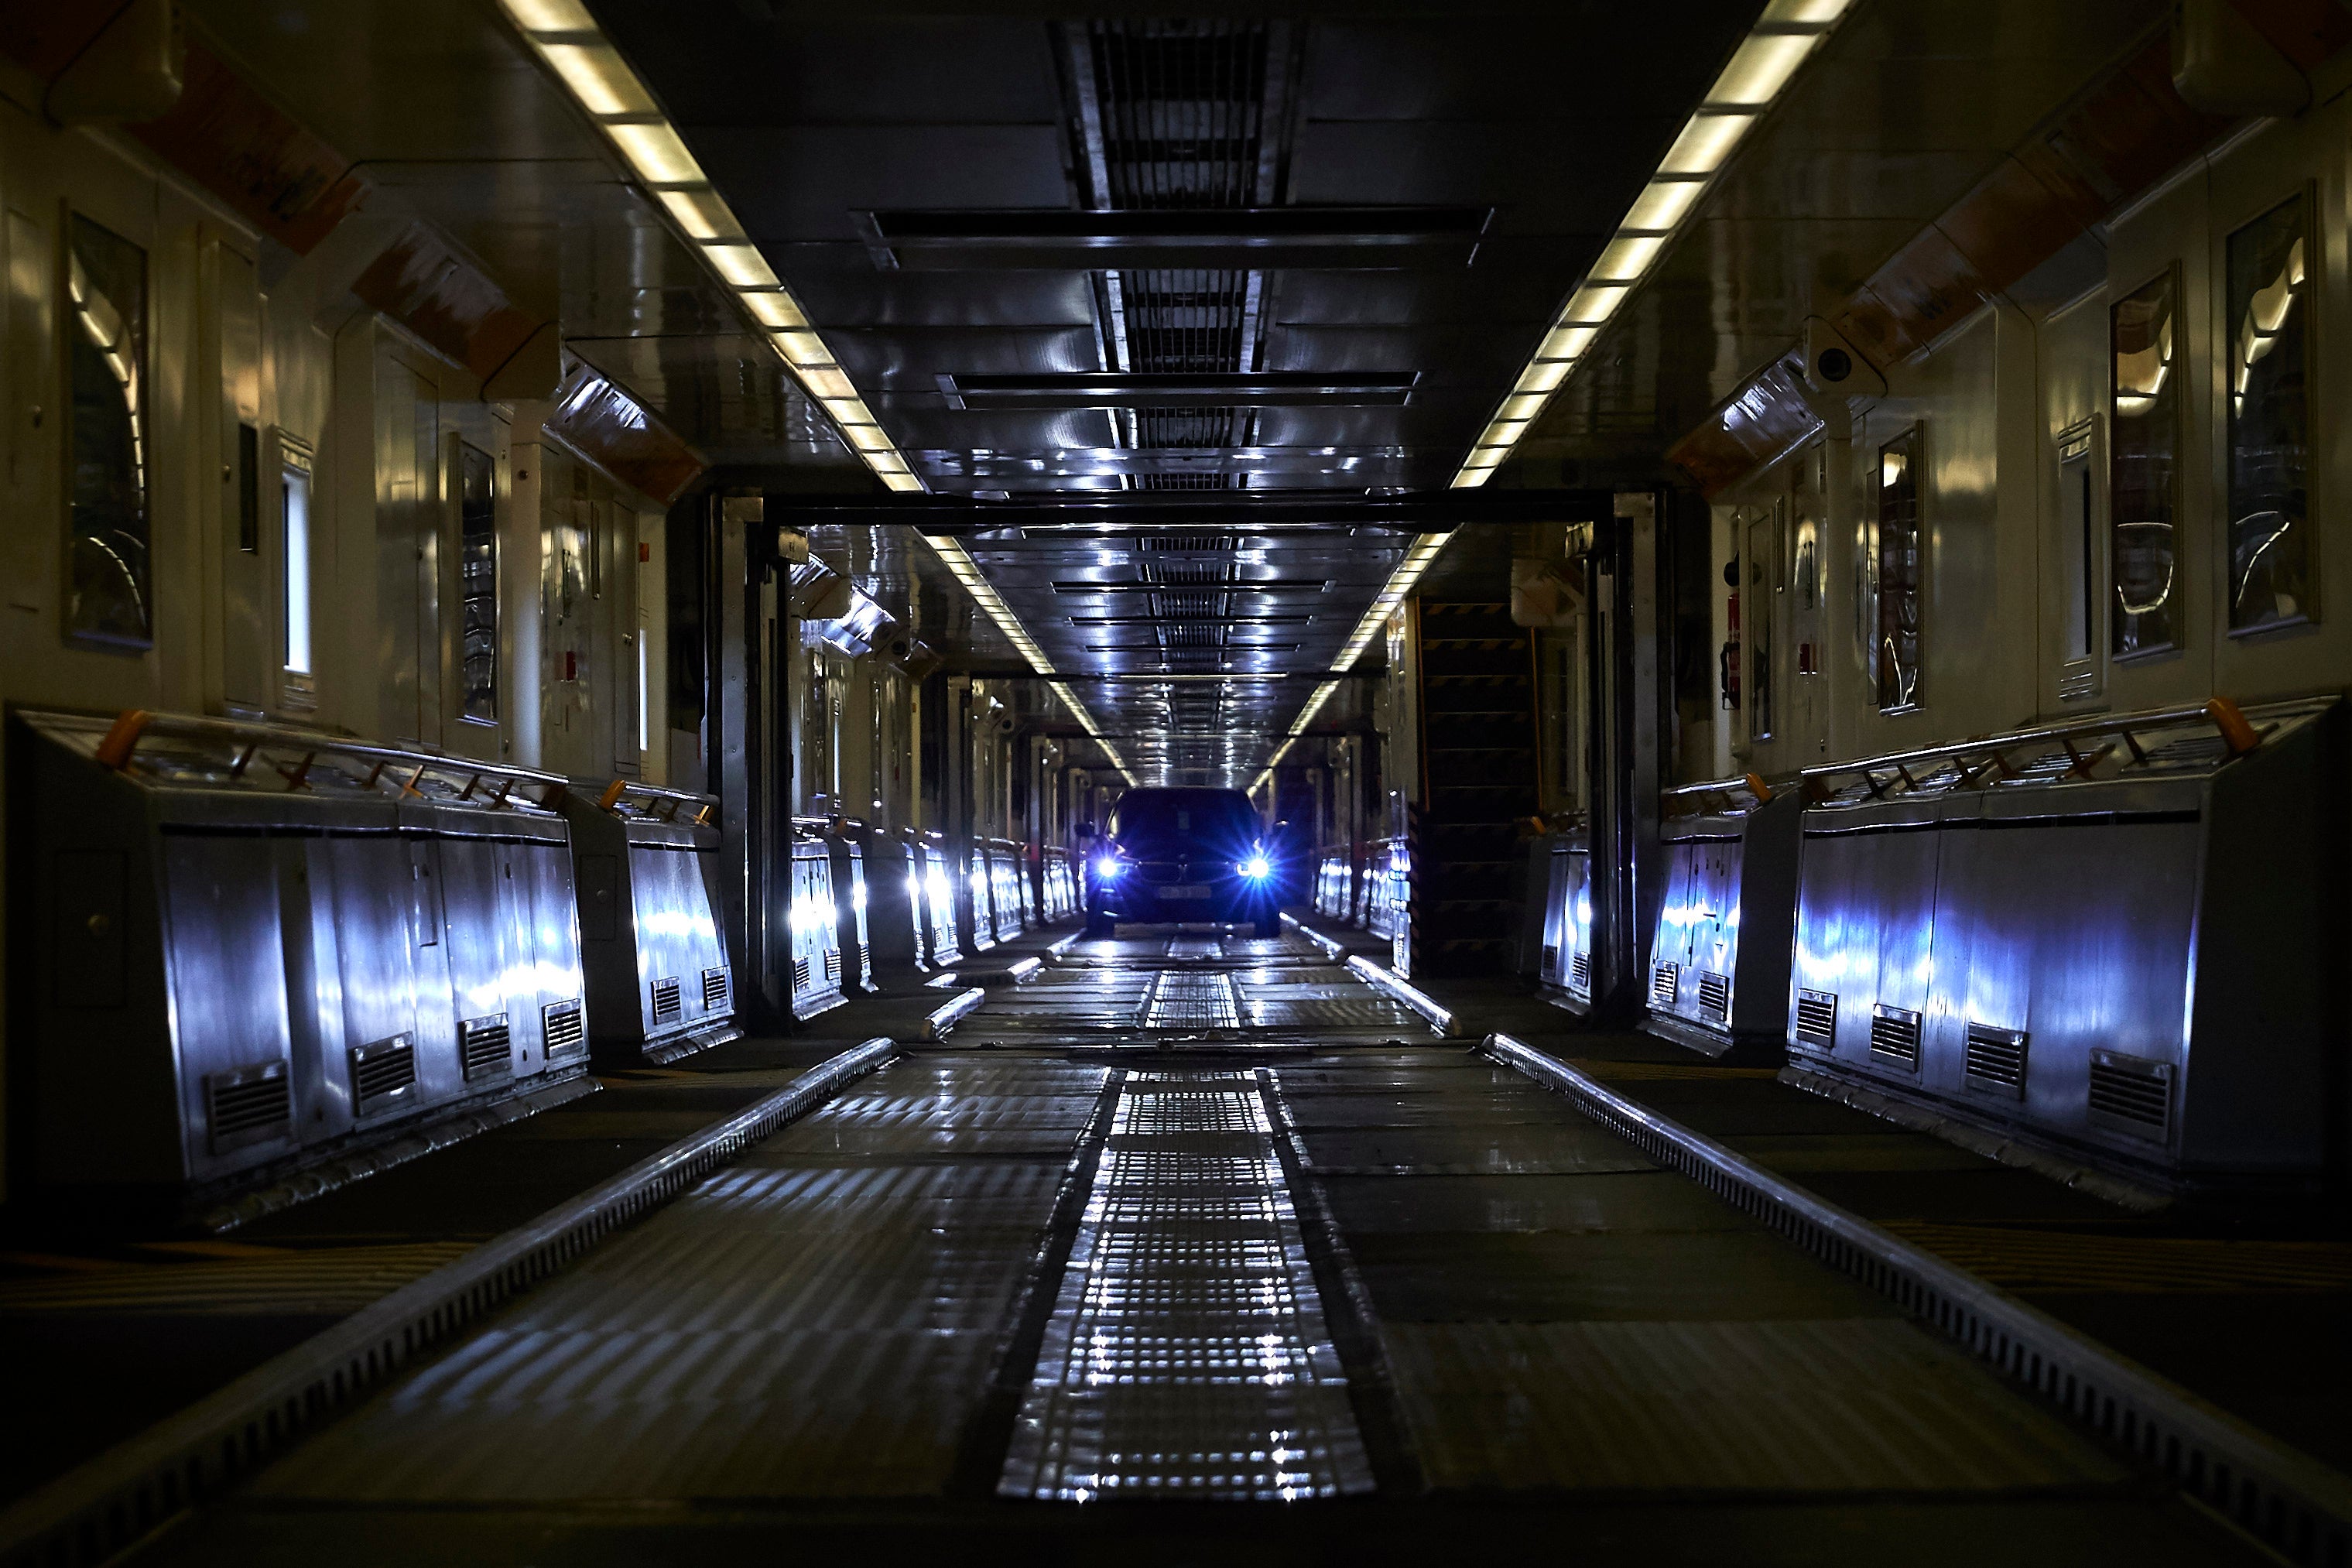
[1257, 868]
[1109, 870]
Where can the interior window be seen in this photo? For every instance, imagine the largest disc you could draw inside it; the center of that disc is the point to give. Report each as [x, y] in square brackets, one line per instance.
[2270, 543]
[294, 501]
[477, 582]
[1899, 574]
[2145, 426]
[107, 595]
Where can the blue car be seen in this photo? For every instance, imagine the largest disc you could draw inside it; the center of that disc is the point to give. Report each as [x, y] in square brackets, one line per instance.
[1193, 855]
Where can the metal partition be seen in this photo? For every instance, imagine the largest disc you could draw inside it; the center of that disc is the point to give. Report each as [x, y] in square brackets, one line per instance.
[247, 947]
[845, 850]
[2110, 941]
[945, 896]
[897, 939]
[817, 947]
[1566, 965]
[968, 885]
[1060, 885]
[1007, 909]
[646, 864]
[1719, 949]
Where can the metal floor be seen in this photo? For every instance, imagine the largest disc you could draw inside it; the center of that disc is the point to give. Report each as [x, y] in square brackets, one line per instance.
[1192, 1221]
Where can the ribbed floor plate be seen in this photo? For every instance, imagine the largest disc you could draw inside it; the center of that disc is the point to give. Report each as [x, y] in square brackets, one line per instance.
[1188, 1354]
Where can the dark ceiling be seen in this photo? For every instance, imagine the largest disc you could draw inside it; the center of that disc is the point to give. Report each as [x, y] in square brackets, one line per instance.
[1328, 241]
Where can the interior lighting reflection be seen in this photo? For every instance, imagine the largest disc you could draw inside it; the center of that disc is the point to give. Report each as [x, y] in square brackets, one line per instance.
[1785, 36]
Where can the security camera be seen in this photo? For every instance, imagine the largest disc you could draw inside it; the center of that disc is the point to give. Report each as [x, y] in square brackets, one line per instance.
[1836, 369]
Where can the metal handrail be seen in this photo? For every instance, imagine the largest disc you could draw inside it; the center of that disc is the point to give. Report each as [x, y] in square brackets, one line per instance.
[1763, 790]
[133, 726]
[2238, 734]
[676, 800]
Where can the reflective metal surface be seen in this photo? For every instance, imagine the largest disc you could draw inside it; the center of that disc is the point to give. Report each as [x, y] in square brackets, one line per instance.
[290, 942]
[646, 861]
[2109, 951]
[1188, 1355]
[1719, 956]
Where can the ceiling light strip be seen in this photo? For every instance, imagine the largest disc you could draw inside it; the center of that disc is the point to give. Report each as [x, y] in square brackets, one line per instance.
[609, 92]
[1760, 68]
[967, 572]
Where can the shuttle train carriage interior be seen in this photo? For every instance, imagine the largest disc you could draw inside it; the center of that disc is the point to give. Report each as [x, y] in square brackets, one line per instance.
[568, 563]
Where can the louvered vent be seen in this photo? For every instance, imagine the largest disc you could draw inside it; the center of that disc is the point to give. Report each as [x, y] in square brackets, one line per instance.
[1579, 973]
[485, 1046]
[1895, 1035]
[832, 966]
[1995, 1060]
[666, 1000]
[800, 973]
[564, 1026]
[1665, 985]
[1552, 958]
[1817, 1018]
[2131, 1094]
[1714, 995]
[383, 1072]
[1188, 544]
[251, 1105]
[716, 992]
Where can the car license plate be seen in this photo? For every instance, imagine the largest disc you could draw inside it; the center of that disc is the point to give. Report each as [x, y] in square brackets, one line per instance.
[1184, 890]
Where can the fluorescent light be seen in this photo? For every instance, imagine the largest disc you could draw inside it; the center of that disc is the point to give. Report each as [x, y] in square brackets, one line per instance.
[599, 79]
[1524, 406]
[740, 263]
[550, 16]
[1544, 376]
[1629, 256]
[1704, 143]
[1663, 203]
[1567, 342]
[803, 347]
[1760, 68]
[657, 153]
[831, 387]
[699, 212]
[773, 309]
[1595, 304]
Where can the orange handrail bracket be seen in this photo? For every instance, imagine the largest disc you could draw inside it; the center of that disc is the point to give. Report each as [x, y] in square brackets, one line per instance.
[1759, 789]
[612, 796]
[2239, 735]
[122, 738]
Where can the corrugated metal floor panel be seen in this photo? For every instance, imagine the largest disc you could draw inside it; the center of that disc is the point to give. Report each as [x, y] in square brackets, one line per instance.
[1789, 1408]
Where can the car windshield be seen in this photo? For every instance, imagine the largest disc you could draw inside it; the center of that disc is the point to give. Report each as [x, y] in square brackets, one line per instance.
[1217, 819]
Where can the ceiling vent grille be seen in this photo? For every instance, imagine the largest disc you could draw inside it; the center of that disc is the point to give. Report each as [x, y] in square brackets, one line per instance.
[1181, 106]
[1188, 544]
[1895, 1035]
[2131, 1094]
[1995, 1060]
